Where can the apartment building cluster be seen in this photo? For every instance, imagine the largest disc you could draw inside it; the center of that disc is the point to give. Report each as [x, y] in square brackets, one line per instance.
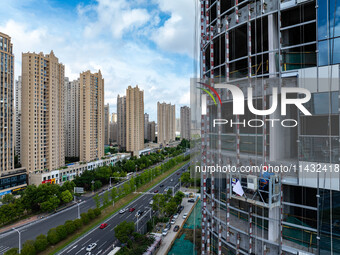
[56, 118]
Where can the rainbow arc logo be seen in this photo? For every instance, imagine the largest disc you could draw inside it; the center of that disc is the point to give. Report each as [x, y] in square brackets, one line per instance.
[204, 97]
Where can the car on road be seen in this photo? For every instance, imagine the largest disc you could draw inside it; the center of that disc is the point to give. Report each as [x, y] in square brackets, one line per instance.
[176, 228]
[104, 225]
[166, 189]
[168, 226]
[156, 191]
[131, 209]
[161, 186]
[139, 213]
[165, 232]
[185, 215]
[173, 221]
[178, 173]
[123, 210]
[175, 216]
[91, 247]
[180, 209]
[151, 202]
[191, 201]
[172, 180]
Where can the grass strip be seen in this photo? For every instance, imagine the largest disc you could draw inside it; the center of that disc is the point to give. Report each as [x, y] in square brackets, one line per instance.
[109, 211]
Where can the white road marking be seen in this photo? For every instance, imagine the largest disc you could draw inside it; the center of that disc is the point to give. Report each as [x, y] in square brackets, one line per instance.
[99, 252]
[87, 241]
[80, 250]
[102, 244]
[73, 248]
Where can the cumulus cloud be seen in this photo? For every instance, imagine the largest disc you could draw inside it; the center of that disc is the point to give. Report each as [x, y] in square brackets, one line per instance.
[84, 45]
[116, 16]
[177, 33]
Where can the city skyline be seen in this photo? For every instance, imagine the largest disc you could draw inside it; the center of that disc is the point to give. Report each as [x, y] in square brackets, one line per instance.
[152, 62]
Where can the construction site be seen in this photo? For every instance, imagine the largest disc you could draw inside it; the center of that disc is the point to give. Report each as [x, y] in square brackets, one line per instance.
[263, 46]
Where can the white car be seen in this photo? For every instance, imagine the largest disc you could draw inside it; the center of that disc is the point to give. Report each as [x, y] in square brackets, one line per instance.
[175, 216]
[123, 211]
[165, 232]
[173, 221]
[151, 202]
[185, 215]
[91, 247]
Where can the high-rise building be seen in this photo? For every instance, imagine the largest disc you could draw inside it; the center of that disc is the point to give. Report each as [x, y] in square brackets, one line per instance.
[42, 108]
[107, 124]
[113, 128]
[260, 46]
[166, 122]
[113, 117]
[151, 131]
[146, 121]
[18, 117]
[6, 104]
[91, 119]
[72, 105]
[113, 132]
[121, 122]
[178, 125]
[134, 120]
[185, 122]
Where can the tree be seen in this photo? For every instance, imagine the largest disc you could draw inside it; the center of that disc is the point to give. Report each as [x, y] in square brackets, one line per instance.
[50, 205]
[7, 199]
[13, 251]
[62, 232]
[52, 236]
[68, 185]
[66, 196]
[124, 230]
[28, 248]
[40, 243]
[185, 177]
[85, 218]
[78, 223]
[97, 200]
[97, 212]
[170, 207]
[97, 184]
[113, 193]
[90, 214]
[70, 226]
[179, 197]
[106, 199]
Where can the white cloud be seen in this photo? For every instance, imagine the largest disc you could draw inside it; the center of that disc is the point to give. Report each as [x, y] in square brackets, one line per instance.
[177, 33]
[116, 16]
[122, 62]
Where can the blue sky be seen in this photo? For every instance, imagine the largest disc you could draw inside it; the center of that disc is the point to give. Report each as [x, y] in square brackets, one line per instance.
[144, 42]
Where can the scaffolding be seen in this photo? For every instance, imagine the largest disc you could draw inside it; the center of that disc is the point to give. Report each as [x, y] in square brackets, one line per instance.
[266, 220]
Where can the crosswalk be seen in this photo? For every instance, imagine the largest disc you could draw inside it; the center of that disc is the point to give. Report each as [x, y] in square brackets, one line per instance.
[3, 249]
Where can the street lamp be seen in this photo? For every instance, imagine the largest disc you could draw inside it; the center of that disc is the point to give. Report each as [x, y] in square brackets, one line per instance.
[19, 238]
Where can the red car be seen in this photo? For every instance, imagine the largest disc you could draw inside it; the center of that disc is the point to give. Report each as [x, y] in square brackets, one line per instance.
[156, 191]
[131, 209]
[178, 173]
[104, 225]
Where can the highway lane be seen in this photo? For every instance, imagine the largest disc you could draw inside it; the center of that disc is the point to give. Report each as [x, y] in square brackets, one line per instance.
[105, 237]
[30, 231]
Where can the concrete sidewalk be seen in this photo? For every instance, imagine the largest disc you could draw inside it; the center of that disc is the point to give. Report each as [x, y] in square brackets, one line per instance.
[171, 236]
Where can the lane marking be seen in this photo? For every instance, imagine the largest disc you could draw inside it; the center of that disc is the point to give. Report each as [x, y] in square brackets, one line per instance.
[72, 248]
[80, 250]
[102, 244]
[87, 241]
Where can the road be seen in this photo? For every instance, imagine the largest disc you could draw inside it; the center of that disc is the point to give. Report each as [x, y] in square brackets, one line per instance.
[104, 238]
[30, 231]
